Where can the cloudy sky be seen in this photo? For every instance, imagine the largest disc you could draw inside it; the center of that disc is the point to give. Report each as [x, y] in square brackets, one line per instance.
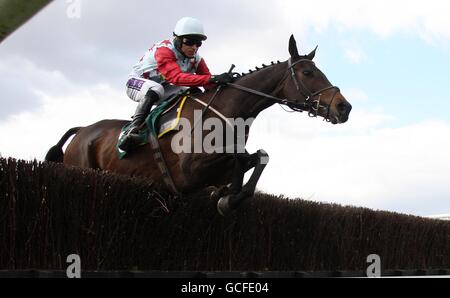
[67, 67]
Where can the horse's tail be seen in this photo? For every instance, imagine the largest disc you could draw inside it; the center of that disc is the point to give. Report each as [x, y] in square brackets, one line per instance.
[56, 153]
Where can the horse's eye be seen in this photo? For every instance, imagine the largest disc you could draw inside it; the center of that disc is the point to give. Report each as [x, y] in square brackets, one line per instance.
[307, 72]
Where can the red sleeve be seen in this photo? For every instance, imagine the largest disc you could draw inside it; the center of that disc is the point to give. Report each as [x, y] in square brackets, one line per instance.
[203, 69]
[168, 67]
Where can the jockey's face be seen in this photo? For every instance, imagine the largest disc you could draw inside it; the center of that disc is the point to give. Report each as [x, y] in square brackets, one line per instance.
[189, 47]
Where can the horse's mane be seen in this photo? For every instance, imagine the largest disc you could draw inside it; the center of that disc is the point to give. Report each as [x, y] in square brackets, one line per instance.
[264, 66]
[251, 72]
[240, 76]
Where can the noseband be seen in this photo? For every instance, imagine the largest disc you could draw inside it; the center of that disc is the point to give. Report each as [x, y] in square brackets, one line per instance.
[311, 104]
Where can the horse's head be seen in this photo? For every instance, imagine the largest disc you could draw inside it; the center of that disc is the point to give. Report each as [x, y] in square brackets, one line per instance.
[307, 88]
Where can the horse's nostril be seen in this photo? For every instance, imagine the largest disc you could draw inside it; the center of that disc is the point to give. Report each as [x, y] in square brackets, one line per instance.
[344, 107]
[341, 107]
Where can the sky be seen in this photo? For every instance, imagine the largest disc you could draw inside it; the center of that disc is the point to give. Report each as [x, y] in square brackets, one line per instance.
[68, 67]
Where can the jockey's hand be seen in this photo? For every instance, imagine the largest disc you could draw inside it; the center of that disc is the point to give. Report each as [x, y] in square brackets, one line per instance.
[222, 79]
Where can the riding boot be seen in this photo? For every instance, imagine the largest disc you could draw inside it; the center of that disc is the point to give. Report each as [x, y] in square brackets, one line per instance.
[131, 137]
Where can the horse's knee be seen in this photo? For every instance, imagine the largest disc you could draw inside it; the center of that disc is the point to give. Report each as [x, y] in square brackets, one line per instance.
[263, 157]
[259, 157]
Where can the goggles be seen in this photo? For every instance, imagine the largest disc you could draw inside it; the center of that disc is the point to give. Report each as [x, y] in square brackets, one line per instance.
[190, 42]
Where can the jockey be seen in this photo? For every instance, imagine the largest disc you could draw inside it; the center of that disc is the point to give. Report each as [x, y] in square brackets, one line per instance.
[167, 68]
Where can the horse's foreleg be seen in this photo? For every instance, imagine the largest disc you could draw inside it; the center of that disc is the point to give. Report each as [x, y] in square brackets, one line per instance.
[238, 174]
[238, 194]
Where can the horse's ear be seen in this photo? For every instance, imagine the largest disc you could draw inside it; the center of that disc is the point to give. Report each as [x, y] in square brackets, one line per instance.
[293, 47]
[311, 55]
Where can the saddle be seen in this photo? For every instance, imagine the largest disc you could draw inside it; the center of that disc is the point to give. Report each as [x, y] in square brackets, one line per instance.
[164, 118]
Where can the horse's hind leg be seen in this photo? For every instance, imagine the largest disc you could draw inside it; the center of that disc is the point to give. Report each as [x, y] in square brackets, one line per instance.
[238, 194]
[241, 166]
[243, 162]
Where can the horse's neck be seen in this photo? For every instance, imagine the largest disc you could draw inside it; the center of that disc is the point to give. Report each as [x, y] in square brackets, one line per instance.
[240, 104]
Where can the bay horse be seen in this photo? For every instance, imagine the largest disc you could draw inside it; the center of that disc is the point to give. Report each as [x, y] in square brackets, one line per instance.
[296, 83]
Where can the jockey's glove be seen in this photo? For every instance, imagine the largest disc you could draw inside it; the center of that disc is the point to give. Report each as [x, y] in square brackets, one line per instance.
[222, 79]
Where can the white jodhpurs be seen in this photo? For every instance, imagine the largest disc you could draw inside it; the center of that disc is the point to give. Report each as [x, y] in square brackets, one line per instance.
[137, 88]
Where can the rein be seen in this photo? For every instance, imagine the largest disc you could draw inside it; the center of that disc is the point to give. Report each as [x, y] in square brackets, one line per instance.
[311, 105]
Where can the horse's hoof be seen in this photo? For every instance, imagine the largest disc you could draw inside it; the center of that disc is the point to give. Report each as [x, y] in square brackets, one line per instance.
[223, 206]
[214, 195]
[217, 193]
[210, 191]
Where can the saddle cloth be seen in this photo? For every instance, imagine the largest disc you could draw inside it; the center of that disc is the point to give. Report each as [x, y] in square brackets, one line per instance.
[161, 120]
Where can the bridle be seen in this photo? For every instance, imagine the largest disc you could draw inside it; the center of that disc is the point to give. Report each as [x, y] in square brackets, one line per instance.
[311, 104]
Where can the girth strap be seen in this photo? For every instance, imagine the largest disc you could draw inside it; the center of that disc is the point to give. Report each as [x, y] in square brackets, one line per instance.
[159, 159]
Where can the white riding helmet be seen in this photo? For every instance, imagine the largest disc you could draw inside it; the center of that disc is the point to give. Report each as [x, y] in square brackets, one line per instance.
[189, 26]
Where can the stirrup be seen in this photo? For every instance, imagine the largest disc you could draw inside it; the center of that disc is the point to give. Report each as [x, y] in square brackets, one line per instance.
[129, 142]
[133, 130]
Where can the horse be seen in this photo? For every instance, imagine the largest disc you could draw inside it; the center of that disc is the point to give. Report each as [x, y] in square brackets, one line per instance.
[296, 83]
